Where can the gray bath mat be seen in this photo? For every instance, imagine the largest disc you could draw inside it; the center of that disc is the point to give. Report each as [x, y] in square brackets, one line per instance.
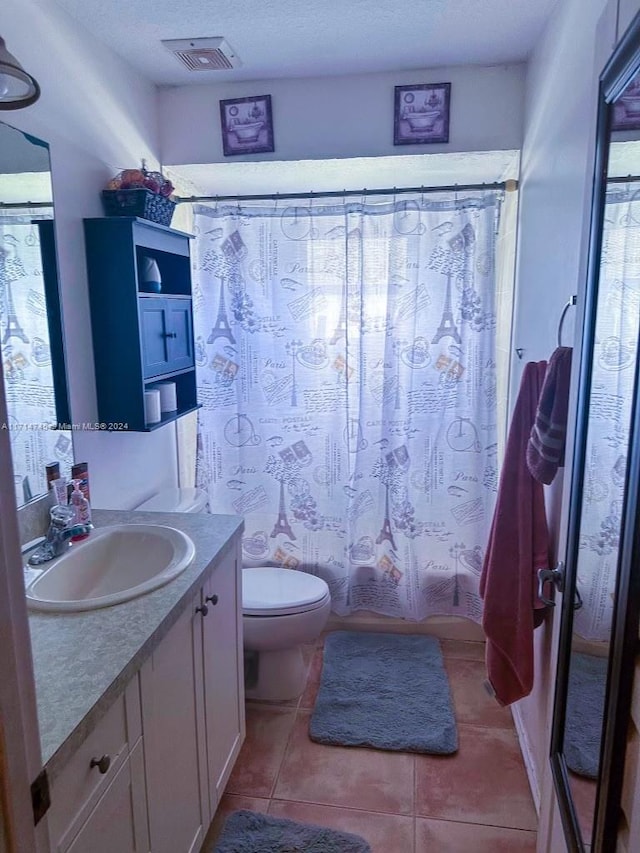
[387, 691]
[251, 832]
[585, 713]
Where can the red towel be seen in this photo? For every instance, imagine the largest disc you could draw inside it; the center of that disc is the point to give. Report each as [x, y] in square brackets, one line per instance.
[518, 546]
[545, 450]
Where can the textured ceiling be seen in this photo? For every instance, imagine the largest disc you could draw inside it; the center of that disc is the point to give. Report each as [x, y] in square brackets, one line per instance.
[290, 38]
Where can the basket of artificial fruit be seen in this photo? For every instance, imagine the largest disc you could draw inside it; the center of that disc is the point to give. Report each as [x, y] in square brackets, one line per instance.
[137, 192]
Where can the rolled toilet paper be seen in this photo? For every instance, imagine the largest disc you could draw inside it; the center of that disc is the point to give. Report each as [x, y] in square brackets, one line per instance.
[152, 410]
[168, 396]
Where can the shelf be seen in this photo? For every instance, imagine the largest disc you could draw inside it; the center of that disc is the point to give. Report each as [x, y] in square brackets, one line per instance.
[168, 418]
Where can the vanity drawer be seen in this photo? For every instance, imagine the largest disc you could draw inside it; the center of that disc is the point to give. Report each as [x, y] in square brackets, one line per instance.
[78, 787]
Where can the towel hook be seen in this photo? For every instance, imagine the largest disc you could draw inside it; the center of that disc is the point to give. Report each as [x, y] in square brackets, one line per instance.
[569, 304]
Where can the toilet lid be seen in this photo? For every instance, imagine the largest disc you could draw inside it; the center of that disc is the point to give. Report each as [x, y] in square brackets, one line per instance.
[270, 591]
[176, 500]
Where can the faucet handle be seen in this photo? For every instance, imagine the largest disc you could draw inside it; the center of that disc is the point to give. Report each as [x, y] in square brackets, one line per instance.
[61, 516]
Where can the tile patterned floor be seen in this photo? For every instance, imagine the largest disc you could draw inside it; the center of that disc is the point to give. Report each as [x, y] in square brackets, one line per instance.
[476, 801]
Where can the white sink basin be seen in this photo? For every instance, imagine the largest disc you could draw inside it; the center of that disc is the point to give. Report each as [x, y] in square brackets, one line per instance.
[113, 565]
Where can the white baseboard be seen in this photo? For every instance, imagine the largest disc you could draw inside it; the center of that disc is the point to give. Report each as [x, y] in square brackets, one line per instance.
[527, 756]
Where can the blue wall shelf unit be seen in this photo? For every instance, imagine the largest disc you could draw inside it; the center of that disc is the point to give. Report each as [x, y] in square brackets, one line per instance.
[139, 336]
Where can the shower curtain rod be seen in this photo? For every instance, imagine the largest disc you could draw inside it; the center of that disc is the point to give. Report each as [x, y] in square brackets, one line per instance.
[509, 186]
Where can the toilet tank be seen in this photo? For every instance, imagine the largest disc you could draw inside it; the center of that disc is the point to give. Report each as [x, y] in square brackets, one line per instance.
[175, 500]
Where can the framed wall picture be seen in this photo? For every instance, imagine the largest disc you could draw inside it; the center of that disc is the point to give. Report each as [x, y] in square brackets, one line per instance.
[247, 126]
[421, 113]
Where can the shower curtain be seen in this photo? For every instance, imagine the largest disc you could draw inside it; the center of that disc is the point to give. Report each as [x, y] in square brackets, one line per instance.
[26, 358]
[346, 361]
[612, 388]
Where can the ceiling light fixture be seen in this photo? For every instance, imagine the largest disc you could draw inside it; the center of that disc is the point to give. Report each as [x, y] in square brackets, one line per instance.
[17, 88]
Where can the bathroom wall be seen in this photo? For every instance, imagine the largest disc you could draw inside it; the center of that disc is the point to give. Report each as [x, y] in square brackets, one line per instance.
[349, 116]
[106, 123]
[555, 198]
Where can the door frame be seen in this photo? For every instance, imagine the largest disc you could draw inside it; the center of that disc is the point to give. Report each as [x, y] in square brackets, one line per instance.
[619, 70]
[20, 755]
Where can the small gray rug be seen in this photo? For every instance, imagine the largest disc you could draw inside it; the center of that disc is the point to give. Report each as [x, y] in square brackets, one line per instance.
[387, 691]
[585, 713]
[251, 832]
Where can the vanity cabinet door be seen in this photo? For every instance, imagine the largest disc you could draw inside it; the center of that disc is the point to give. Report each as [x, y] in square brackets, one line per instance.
[223, 673]
[118, 822]
[175, 763]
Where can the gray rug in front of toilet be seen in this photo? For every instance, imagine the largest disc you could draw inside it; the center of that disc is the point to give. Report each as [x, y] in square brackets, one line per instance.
[252, 832]
[585, 713]
[387, 691]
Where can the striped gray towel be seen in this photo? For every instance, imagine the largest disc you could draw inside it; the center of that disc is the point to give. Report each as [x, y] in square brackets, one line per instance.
[545, 448]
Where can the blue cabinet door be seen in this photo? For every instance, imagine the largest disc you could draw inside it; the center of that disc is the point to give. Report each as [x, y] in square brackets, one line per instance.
[166, 335]
[154, 340]
[180, 327]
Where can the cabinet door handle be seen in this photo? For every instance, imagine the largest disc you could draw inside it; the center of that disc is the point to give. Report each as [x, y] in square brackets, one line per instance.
[213, 599]
[204, 609]
[169, 334]
[102, 764]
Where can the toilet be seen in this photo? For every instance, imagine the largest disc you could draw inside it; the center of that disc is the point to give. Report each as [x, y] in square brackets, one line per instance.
[175, 500]
[281, 610]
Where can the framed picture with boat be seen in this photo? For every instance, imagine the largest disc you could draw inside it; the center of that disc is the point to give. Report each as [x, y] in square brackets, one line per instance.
[421, 114]
[247, 125]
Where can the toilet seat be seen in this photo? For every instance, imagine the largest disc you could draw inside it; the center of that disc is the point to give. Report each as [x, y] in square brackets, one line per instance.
[271, 591]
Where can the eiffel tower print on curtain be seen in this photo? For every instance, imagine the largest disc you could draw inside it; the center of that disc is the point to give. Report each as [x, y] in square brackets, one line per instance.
[13, 329]
[11, 269]
[282, 523]
[221, 327]
[385, 531]
[447, 327]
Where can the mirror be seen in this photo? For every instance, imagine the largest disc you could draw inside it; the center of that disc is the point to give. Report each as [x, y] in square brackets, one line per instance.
[30, 319]
[590, 715]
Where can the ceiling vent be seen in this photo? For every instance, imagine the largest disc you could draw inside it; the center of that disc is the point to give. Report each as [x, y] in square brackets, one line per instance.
[211, 54]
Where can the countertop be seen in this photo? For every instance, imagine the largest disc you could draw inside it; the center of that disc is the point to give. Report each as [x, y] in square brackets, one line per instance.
[83, 661]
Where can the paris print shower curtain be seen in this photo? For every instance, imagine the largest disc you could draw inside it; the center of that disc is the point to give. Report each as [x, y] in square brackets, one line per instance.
[610, 411]
[347, 374]
[26, 357]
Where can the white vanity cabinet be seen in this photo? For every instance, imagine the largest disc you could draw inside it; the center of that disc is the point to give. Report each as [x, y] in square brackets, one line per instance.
[192, 693]
[169, 742]
[171, 690]
[119, 820]
[98, 801]
[223, 666]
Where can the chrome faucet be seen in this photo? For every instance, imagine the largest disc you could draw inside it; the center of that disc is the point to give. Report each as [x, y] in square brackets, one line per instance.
[58, 537]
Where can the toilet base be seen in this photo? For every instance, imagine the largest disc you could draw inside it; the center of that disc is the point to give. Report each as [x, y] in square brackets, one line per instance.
[281, 675]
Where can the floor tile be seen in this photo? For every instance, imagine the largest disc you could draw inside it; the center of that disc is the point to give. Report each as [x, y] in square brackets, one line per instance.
[385, 833]
[463, 650]
[308, 699]
[230, 803]
[446, 836]
[268, 731]
[368, 779]
[484, 782]
[472, 703]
